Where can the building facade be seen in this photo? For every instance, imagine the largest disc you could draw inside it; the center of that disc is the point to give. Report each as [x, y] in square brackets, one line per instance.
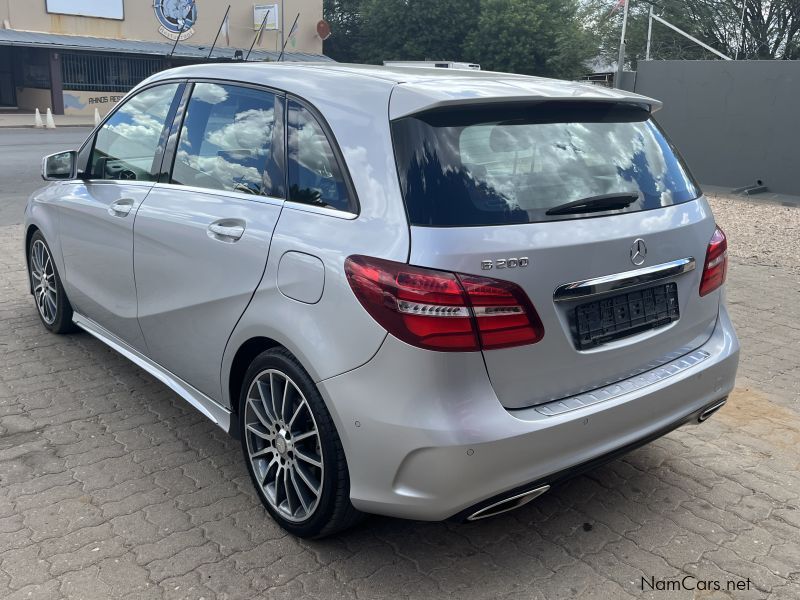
[77, 55]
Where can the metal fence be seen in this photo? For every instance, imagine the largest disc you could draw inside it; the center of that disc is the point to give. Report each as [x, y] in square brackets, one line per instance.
[736, 122]
[91, 72]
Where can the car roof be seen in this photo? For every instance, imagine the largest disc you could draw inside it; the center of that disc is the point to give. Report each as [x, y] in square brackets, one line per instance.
[412, 89]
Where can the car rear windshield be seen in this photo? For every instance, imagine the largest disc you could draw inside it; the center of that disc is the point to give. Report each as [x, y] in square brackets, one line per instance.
[495, 166]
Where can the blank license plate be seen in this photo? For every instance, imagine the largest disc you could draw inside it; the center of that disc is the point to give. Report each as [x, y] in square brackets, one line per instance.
[624, 315]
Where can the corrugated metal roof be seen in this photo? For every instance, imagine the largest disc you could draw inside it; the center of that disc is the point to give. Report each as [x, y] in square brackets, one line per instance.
[15, 37]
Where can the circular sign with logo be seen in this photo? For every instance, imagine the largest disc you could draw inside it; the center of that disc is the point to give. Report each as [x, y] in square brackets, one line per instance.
[176, 18]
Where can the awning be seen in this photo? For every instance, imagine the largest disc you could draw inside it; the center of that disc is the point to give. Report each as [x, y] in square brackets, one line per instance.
[35, 39]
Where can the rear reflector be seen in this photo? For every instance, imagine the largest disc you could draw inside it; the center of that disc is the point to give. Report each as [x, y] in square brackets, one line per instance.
[716, 265]
[443, 311]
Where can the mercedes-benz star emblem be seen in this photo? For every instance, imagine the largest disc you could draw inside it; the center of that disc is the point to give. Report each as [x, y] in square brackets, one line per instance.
[638, 252]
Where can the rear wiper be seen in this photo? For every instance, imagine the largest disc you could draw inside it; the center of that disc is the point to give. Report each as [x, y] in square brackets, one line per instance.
[596, 204]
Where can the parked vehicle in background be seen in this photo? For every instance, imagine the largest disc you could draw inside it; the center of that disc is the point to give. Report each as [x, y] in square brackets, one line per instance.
[414, 292]
[437, 64]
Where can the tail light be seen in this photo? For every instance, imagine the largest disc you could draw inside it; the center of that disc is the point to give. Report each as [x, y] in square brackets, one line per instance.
[443, 311]
[716, 265]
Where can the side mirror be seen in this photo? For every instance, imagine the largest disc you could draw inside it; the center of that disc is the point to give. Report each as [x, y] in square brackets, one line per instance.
[60, 166]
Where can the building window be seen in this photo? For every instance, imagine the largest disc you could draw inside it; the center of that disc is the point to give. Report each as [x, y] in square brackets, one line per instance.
[104, 72]
[34, 68]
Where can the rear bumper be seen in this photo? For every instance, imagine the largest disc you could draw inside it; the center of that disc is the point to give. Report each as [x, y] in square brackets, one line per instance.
[426, 438]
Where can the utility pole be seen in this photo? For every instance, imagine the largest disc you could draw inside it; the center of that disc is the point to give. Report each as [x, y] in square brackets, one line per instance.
[740, 45]
[649, 33]
[283, 22]
[621, 59]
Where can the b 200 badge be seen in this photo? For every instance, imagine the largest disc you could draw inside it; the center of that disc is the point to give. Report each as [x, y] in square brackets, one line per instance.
[505, 263]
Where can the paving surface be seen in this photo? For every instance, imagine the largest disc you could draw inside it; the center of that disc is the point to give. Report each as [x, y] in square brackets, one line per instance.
[760, 233]
[112, 487]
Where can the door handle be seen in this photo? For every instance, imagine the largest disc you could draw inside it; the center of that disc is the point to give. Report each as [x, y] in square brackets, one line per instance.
[226, 230]
[121, 208]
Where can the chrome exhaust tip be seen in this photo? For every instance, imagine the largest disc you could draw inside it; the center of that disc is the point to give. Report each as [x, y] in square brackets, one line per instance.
[508, 504]
[711, 410]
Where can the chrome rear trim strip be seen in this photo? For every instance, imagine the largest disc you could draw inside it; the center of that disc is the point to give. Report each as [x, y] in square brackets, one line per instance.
[626, 386]
[213, 411]
[620, 281]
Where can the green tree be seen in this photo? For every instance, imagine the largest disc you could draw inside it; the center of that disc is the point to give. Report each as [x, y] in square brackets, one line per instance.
[771, 29]
[417, 29]
[542, 37]
[346, 20]
[536, 37]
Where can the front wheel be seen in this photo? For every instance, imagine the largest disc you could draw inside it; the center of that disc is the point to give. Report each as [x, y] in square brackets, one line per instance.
[292, 450]
[52, 304]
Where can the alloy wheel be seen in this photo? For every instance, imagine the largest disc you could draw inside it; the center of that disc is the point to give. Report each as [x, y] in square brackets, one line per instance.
[44, 281]
[283, 445]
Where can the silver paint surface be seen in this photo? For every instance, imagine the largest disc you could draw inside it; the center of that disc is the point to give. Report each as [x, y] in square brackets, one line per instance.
[423, 432]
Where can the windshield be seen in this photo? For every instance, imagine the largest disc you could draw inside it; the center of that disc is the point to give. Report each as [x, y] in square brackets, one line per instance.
[490, 166]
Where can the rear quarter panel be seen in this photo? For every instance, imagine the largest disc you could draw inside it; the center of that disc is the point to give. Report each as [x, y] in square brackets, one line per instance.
[334, 334]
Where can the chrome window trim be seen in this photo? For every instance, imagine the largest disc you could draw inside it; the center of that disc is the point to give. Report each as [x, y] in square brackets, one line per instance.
[125, 182]
[620, 281]
[216, 192]
[330, 212]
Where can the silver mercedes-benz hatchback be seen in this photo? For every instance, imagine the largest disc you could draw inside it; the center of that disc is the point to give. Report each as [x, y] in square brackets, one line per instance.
[421, 293]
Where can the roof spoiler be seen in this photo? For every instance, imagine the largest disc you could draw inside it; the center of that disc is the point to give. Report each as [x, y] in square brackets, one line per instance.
[411, 99]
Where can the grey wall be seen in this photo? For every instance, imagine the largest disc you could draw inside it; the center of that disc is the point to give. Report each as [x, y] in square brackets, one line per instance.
[735, 122]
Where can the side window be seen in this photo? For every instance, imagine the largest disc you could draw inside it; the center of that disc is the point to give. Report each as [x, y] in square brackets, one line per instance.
[127, 145]
[314, 174]
[227, 141]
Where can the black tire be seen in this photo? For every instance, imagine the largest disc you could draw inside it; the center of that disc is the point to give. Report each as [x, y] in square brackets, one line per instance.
[62, 321]
[334, 512]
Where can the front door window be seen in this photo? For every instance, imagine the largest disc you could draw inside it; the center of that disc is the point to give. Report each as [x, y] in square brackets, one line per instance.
[128, 144]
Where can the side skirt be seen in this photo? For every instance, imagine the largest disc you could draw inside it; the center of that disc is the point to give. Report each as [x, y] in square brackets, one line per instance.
[219, 415]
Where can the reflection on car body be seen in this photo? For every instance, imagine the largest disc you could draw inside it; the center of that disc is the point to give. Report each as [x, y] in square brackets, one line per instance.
[408, 293]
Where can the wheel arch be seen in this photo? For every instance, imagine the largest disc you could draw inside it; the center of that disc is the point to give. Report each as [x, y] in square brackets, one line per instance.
[233, 376]
[244, 355]
[28, 236]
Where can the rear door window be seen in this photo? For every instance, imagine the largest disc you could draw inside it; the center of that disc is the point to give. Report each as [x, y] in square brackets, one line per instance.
[484, 166]
[230, 141]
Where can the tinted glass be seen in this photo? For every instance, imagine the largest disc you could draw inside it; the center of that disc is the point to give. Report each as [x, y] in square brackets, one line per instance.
[128, 143]
[226, 141]
[490, 167]
[314, 173]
